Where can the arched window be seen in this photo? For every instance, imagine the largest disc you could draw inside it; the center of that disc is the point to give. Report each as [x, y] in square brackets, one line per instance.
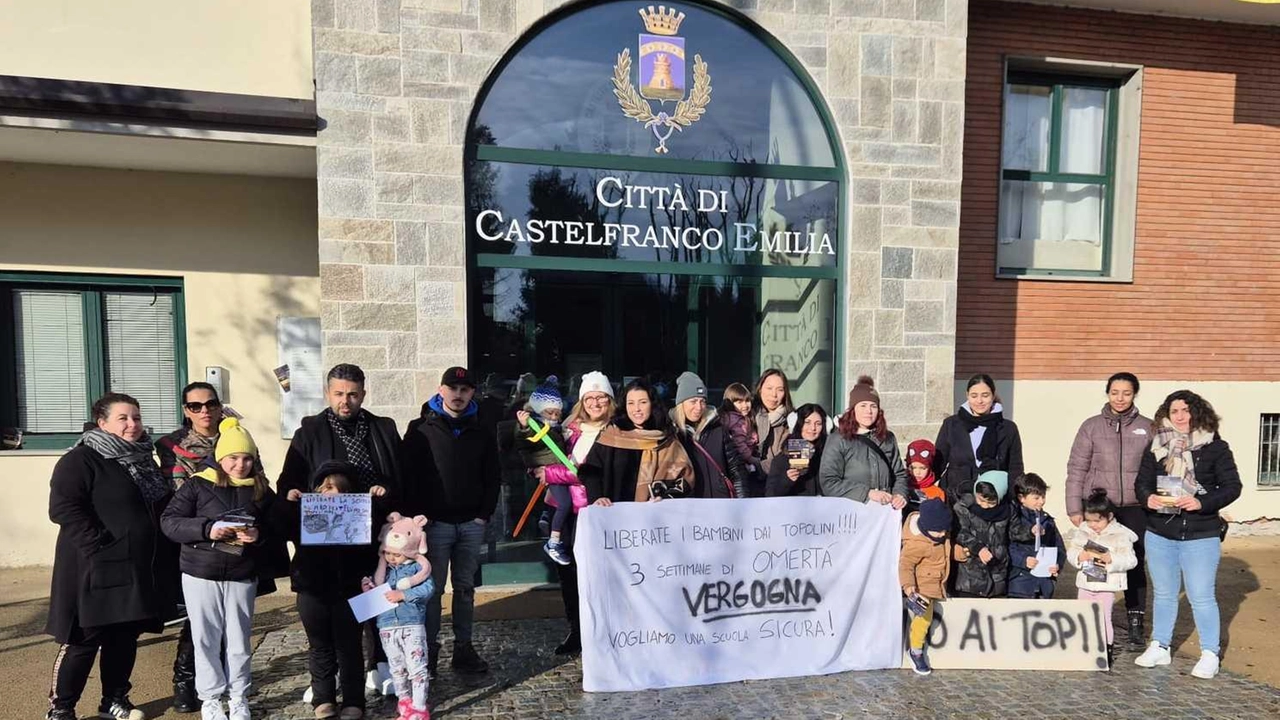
[654, 189]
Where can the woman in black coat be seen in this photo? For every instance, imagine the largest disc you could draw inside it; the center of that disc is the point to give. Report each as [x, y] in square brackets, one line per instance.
[638, 456]
[703, 437]
[784, 480]
[114, 574]
[976, 439]
[1184, 530]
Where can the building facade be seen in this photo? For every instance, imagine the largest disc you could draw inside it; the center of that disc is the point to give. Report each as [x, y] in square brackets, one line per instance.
[915, 190]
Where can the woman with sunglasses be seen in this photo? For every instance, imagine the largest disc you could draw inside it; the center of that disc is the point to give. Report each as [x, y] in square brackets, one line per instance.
[183, 453]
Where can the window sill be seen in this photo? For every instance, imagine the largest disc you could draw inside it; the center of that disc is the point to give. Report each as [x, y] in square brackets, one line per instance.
[1038, 277]
[34, 452]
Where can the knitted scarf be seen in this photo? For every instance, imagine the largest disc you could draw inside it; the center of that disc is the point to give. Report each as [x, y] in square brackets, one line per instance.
[134, 457]
[988, 447]
[766, 421]
[1173, 449]
[355, 443]
[661, 457]
[190, 450]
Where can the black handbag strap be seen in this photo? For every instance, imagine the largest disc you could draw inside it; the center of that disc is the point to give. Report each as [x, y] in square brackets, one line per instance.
[879, 452]
[723, 478]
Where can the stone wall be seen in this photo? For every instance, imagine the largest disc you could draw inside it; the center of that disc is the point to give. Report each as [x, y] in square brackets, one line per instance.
[394, 84]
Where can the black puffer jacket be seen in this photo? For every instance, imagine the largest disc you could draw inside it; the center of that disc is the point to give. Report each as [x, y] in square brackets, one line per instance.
[332, 572]
[197, 505]
[974, 532]
[779, 485]
[1215, 471]
[450, 466]
[714, 460]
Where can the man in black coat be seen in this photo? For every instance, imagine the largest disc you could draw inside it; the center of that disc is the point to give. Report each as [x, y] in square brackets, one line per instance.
[346, 431]
[452, 476]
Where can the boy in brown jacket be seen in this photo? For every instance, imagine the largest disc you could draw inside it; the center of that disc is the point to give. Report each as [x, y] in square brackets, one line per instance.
[922, 570]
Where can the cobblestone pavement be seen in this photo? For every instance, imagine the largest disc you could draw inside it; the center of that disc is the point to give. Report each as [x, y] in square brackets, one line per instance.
[528, 682]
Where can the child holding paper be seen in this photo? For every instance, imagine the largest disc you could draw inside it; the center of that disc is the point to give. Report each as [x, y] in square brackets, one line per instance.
[923, 568]
[218, 516]
[567, 494]
[404, 568]
[323, 577]
[1103, 551]
[1036, 549]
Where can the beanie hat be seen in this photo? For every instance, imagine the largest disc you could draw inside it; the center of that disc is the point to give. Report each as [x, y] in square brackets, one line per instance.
[864, 391]
[689, 385]
[595, 381]
[233, 439]
[921, 451]
[998, 479]
[935, 516]
[546, 396]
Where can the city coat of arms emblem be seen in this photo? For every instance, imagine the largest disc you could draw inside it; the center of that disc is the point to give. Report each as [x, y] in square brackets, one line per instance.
[662, 77]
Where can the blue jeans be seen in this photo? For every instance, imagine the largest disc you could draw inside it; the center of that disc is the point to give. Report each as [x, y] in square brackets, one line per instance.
[460, 545]
[1195, 563]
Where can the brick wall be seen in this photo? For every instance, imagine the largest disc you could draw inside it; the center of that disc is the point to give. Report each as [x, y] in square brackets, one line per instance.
[1205, 300]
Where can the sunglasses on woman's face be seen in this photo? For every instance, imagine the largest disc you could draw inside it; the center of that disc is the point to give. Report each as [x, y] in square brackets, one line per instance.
[195, 407]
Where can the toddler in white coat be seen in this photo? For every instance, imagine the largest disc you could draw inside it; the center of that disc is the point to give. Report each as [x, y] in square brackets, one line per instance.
[1102, 550]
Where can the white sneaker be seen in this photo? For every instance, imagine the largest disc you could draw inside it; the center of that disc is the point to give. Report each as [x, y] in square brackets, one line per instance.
[376, 680]
[212, 710]
[239, 708]
[306, 696]
[1154, 655]
[1207, 667]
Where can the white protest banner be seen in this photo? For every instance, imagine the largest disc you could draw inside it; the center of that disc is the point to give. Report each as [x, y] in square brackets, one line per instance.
[1002, 634]
[692, 592]
[343, 519]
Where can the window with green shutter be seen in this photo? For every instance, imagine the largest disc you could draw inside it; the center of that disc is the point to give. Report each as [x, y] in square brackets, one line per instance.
[73, 338]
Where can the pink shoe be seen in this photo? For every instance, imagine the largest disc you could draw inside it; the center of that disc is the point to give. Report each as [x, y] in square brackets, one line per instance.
[423, 714]
[404, 709]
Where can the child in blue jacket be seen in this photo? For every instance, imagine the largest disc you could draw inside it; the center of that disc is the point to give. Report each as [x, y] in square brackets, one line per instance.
[405, 569]
[1031, 529]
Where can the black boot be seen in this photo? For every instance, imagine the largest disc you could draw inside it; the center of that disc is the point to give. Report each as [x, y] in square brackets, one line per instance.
[467, 660]
[184, 674]
[572, 644]
[1111, 656]
[433, 659]
[1137, 633]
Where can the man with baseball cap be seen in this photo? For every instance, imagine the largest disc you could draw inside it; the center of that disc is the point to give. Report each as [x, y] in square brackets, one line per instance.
[451, 475]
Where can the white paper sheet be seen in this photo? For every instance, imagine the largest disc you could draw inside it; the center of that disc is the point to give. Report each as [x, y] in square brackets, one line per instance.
[371, 604]
[1046, 557]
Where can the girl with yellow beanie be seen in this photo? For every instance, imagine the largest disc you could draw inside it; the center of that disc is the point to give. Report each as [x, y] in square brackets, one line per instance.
[220, 517]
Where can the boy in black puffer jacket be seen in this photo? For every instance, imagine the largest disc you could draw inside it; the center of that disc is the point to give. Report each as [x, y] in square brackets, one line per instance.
[981, 547]
[1029, 522]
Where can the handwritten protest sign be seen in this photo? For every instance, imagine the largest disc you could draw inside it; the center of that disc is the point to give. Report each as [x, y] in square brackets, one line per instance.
[345, 519]
[1017, 635]
[692, 592]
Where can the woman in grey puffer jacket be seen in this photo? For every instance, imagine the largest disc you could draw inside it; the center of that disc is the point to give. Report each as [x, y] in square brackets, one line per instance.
[861, 461]
[1106, 454]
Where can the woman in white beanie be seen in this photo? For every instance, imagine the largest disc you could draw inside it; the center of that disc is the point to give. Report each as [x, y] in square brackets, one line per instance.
[582, 426]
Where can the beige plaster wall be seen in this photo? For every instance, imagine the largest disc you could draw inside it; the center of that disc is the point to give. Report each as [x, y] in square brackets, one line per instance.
[1049, 412]
[252, 47]
[244, 246]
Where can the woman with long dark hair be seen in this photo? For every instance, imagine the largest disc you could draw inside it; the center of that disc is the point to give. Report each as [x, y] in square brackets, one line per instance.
[1184, 531]
[976, 439]
[862, 461]
[785, 477]
[638, 456]
[1105, 456]
[115, 576]
[183, 453]
[770, 407]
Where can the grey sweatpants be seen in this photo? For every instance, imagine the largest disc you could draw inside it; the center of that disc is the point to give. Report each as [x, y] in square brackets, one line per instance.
[220, 610]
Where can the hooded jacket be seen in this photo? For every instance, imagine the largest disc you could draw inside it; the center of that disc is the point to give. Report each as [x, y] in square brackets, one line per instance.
[1118, 540]
[412, 611]
[1106, 454]
[450, 466]
[851, 468]
[978, 528]
[923, 564]
[197, 505]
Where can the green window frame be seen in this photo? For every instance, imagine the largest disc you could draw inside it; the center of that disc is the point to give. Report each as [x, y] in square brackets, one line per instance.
[1269, 450]
[91, 289]
[1058, 84]
[474, 152]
